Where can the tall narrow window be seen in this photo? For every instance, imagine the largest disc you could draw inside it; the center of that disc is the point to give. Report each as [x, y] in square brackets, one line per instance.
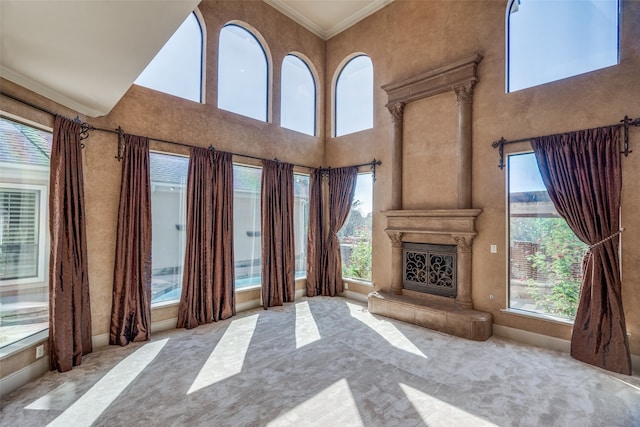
[301, 221]
[354, 96]
[552, 40]
[24, 238]
[242, 73]
[298, 103]
[545, 256]
[247, 238]
[355, 234]
[177, 67]
[168, 216]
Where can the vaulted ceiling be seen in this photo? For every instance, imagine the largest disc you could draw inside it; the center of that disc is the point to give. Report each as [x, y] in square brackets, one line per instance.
[86, 54]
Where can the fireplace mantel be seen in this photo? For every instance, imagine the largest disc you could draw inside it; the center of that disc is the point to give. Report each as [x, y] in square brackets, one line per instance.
[444, 222]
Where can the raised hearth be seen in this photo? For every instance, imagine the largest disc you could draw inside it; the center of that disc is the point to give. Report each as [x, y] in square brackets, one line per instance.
[455, 316]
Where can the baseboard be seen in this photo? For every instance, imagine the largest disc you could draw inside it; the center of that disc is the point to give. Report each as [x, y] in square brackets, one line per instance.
[355, 296]
[532, 338]
[19, 378]
[101, 340]
[544, 341]
[164, 325]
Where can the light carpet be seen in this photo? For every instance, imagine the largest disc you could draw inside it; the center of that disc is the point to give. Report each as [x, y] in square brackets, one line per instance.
[324, 362]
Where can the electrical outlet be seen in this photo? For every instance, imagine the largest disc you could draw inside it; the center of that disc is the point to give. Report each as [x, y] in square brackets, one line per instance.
[346, 286]
[39, 351]
[494, 249]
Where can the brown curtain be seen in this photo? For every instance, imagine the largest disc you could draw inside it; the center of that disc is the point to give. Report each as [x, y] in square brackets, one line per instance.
[315, 236]
[582, 173]
[342, 186]
[69, 305]
[131, 304]
[207, 282]
[278, 251]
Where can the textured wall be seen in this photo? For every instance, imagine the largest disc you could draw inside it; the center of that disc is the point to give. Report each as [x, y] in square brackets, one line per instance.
[409, 37]
[403, 39]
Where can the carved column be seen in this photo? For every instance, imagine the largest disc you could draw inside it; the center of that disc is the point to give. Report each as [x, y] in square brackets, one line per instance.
[464, 95]
[396, 262]
[397, 112]
[463, 298]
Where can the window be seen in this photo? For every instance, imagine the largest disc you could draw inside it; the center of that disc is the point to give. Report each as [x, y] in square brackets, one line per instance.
[354, 97]
[355, 234]
[298, 103]
[242, 73]
[301, 221]
[545, 257]
[24, 239]
[247, 238]
[552, 40]
[177, 68]
[168, 216]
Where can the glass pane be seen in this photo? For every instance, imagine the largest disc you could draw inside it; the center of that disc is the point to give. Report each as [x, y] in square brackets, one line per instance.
[24, 237]
[177, 67]
[298, 109]
[168, 217]
[354, 96]
[355, 234]
[242, 73]
[545, 255]
[301, 222]
[552, 40]
[247, 239]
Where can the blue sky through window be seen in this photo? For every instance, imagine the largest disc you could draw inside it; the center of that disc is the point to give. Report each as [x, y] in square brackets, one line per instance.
[549, 40]
[177, 68]
[242, 73]
[298, 101]
[354, 96]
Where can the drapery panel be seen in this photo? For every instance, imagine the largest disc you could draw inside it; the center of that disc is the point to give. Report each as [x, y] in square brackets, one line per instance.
[315, 236]
[342, 186]
[207, 281]
[582, 173]
[131, 304]
[69, 305]
[278, 251]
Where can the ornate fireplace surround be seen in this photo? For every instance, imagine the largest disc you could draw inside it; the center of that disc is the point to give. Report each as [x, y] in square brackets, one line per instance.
[435, 226]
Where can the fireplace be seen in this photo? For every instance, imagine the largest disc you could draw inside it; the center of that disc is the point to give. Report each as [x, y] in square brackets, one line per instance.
[431, 272]
[430, 268]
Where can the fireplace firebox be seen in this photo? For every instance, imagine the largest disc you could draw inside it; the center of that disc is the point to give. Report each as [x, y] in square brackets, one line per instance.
[430, 268]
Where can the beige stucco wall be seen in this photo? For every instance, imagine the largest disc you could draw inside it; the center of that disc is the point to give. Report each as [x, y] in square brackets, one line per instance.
[410, 37]
[403, 39]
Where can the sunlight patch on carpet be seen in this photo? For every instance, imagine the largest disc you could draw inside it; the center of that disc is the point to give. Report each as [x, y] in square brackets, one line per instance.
[334, 405]
[435, 412]
[86, 410]
[306, 329]
[385, 329]
[228, 356]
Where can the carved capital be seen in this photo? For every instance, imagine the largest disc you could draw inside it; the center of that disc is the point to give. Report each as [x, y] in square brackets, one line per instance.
[464, 93]
[396, 239]
[397, 111]
[464, 243]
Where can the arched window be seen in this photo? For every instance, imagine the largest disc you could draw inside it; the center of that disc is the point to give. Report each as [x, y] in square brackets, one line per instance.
[552, 40]
[298, 99]
[242, 73]
[354, 96]
[177, 68]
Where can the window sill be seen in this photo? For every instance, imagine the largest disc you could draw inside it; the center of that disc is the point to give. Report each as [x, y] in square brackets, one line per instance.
[164, 304]
[23, 344]
[358, 282]
[539, 316]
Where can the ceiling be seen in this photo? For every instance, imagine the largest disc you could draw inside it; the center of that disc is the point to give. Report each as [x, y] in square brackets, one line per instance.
[85, 54]
[326, 18]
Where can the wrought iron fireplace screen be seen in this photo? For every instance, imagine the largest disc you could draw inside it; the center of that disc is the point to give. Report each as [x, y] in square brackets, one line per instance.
[430, 268]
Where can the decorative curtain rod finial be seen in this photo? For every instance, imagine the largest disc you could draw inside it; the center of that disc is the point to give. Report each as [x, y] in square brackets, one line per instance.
[211, 149]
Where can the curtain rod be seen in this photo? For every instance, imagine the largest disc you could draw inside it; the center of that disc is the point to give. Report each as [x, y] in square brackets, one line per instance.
[86, 127]
[624, 123]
